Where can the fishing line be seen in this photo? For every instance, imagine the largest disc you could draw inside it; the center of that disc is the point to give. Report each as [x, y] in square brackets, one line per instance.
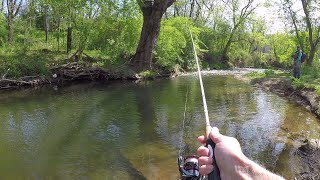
[204, 101]
[183, 121]
[189, 166]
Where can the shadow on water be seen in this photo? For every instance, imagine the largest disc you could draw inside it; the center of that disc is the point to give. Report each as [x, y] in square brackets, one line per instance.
[123, 162]
[133, 131]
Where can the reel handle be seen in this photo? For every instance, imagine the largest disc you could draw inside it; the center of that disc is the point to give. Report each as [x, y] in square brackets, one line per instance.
[215, 174]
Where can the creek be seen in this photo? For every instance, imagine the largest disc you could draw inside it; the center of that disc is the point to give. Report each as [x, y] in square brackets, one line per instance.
[127, 130]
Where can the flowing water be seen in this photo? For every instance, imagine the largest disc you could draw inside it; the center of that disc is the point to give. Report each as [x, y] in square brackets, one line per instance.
[132, 131]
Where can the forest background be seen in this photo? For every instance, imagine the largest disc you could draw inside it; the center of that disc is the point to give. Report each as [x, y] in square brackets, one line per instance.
[36, 34]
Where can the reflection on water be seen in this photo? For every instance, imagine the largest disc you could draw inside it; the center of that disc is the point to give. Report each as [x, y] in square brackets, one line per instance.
[132, 131]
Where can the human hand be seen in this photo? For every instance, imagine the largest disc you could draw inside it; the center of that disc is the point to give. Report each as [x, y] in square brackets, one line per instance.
[228, 155]
[232, 163]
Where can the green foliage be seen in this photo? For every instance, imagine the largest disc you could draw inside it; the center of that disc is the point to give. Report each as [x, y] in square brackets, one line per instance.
[19, 64]
[311, 72]
[240, 57]
[169, 47]
[148, 75]
[310, 77]
[318, 89]
[256, 75]
[175, 45]
[109, 31]
[3, 29]
[116, 38]
[283, 47]
[269, 72]
[214, 39]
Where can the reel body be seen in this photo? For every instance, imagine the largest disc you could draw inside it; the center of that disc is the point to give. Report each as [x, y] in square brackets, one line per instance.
[189, 168]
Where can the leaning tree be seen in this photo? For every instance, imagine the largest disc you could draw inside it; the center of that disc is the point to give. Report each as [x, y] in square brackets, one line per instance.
[152, 11]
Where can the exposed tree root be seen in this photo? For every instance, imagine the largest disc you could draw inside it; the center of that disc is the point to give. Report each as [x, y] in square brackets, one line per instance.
[64, 74]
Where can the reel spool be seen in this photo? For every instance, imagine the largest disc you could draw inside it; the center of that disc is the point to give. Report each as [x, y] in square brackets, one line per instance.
[189, 168]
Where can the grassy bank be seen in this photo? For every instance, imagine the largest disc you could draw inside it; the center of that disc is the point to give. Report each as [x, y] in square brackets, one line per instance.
[310, 77]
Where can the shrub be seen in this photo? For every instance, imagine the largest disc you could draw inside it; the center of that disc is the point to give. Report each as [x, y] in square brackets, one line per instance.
[269, 72]
[169, 47]
[175, 45]
[148, 74]
[3, 29]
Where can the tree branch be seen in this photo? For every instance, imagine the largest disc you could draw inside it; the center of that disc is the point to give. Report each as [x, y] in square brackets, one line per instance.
[170, 2]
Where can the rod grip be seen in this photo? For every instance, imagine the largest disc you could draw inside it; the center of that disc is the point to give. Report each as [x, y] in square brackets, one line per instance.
[215, 174]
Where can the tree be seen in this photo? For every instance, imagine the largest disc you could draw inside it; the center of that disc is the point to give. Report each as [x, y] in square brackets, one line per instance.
[305, 23]
[152, 13]
[1, 6]
[313, 30]
[13, 8]
[239, 16]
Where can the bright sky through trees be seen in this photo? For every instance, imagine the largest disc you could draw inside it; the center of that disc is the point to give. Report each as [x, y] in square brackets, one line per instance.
[270, 14]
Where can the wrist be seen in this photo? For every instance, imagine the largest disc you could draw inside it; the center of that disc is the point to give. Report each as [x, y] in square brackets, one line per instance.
[255, 171]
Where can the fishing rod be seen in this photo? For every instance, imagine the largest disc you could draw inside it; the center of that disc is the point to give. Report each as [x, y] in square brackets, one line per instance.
[215, 174]
[188, 166]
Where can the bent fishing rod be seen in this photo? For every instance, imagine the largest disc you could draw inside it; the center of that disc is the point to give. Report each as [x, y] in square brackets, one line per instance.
[215, 174]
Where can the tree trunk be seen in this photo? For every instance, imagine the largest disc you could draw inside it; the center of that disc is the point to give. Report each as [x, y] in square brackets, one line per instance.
[1, 8]
[313, 39]
[10, 29]
[152, 14]
[237, 21]
[148, 39]
[310, 57]
[191, 8]
[224, 57]
[46, 25]
[58, 37]
[176, 12]
[69, 39]
[12, 11]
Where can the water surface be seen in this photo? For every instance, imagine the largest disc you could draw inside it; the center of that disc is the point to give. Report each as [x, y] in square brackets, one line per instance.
[133, 131]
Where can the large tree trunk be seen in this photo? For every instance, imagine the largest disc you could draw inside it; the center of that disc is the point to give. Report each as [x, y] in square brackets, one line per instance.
[152, 14]
[148, 39]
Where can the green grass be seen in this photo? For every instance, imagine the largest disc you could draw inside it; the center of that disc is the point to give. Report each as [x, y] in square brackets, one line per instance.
[269, 73]
[310, 77]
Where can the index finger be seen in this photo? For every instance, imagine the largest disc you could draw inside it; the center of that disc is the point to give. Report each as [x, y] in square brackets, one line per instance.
[202, 139]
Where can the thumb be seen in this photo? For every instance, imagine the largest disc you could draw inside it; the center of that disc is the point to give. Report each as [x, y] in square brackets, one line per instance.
[215, 135]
